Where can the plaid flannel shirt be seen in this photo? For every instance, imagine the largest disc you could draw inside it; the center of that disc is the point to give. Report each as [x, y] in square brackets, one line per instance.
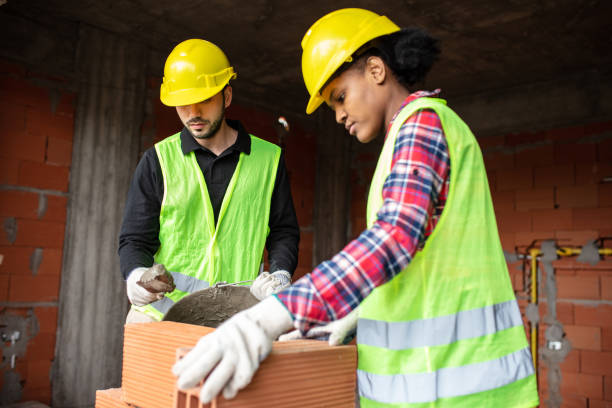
[414, 195]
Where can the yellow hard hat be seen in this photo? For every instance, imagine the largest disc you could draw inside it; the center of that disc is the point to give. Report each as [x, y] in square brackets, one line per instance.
[195, 70]
[332, 40]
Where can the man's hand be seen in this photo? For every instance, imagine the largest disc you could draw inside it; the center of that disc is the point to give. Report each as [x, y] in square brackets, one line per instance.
[138, 295]
[339, 331]
[232, 353]
[268, 283]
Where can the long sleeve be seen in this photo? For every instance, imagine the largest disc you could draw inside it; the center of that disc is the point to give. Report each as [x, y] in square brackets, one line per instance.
[139, 235]
[411, 194]
[282, 242]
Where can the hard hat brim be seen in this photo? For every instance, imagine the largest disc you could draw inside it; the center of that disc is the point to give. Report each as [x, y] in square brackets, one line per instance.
[189, 96]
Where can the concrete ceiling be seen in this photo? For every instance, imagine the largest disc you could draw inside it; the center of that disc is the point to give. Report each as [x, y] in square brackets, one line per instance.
[486, 44]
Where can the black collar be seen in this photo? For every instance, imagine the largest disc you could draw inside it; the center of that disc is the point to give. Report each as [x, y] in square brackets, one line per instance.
[242, 144]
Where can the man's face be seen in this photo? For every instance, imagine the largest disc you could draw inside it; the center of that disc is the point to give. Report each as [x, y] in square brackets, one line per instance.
[203, 119]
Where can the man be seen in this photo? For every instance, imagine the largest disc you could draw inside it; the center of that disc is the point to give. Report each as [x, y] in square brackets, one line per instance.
[205, 201]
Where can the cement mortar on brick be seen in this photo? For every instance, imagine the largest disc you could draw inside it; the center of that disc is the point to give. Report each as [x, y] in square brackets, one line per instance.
[42, 205]
[36, 260]
[10, 228]
[28, 328]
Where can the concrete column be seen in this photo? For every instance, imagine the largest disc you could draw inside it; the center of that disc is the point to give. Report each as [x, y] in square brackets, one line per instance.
[111, 75]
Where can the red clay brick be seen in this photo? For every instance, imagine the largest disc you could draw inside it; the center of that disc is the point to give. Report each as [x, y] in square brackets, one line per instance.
[12, 120]
[575, 153]
[17, 70]
[47, 319]
[16, 260]
[34, 288]
[9, 171]
[608, 388]
[596, 362]
[66, 104]
[41, 347]
[552, 176]
[51, 262]
[551, 220]
[515, 139]
[592, 172]
[38, 374]
[573, 401]
[584, 337]
[491, 141]
[4, 287]
[592, 218]
[44, 176]
[43, 234]
[575, 237]
[593, 403]
[524, 239]
[606, 338]
[541, 155]
[19, 204]
[605, 195]
[503, 201]
[22, 92]
[515, 179]
[588, 385]
[514, 221]
[39, 394]
[571, 364]
[25, 146]
[492, 180]
[56, 208]
[565, 134]
[585, 196]
[507, 241]
[598, 316]
[59, 152]
[597, 128]
[536, 198]
[604, 150]
[572, 287]
[606, 288]
[305, 249]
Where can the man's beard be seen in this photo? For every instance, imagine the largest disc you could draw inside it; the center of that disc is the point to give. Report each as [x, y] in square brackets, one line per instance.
[214, 126]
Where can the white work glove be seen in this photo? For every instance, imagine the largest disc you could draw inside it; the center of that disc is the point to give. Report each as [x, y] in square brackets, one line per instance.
[267, 283]
[232, 353]
[340, 331]
[138, 295]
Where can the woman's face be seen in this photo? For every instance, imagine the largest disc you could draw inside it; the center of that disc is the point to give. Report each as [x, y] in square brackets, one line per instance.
[355, 97]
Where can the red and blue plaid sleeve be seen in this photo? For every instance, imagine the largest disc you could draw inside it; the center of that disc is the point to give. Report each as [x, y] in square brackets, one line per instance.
[411, 194]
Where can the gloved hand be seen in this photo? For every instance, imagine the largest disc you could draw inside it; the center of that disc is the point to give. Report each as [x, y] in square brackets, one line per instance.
[232, 353]
[340, 331]
[138, 295]
[269, 283]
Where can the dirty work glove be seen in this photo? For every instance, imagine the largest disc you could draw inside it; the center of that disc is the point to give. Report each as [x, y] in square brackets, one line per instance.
[339, 331]
[269, 283]
[232, 353]
[138, 295]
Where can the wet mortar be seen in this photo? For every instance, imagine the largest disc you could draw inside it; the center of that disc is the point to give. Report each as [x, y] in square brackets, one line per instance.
[211, 306]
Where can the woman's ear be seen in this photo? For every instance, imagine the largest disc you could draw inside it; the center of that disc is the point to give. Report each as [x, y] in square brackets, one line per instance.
[376, 70]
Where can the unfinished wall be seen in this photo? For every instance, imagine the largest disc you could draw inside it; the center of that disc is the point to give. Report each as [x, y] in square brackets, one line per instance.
[36, 135]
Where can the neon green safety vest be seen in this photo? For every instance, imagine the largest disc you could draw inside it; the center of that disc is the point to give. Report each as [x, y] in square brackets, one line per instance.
[196, 251]
[447, 330]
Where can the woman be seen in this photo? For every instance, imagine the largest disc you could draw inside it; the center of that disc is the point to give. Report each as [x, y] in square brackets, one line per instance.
[438, 321]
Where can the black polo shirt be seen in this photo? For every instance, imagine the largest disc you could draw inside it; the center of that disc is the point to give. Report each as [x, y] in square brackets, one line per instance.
[139, 235]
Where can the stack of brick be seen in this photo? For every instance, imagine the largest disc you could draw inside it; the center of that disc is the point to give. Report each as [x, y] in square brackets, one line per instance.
[295, 374]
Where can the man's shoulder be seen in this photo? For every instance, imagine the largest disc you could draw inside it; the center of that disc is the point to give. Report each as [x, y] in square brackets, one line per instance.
[263, 145]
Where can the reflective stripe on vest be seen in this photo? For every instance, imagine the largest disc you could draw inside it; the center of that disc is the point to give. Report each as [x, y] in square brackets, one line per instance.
[441, 330]
[445, 382]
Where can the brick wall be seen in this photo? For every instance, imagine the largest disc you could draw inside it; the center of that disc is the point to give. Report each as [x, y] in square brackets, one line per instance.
[36, 133]
[548, 185]
[300, 153]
